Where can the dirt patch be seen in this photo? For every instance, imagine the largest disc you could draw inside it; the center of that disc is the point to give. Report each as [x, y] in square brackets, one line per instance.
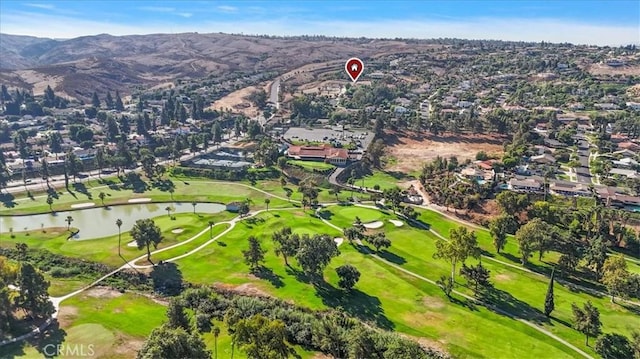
[604, 69]
[412, 150]
[125, 345]
[417, 319]
[433, 302]
[503, 277]
[427, 343]
[245, 289]
[66, 315]
[321, 356]
[237, 102]
[102, 292]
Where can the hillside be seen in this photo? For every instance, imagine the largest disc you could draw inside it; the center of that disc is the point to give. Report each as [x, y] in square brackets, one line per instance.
[81, 65]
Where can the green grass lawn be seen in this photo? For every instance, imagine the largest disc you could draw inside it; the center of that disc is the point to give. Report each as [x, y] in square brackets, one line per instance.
[180, 250]
[186, 190]
[383, 179]
[105, 250]
[386, 296]
[115, 324]
[312, 165]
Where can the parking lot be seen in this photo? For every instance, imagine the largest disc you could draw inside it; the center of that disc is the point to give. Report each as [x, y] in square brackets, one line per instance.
[334, 136]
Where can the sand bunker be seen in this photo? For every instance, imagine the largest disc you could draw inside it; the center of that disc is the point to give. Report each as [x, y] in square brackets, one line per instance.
[373, 225]
[139, 200]
[83, 205]
[338, 241]
[396, 222]
[177, 230]
[132, 244]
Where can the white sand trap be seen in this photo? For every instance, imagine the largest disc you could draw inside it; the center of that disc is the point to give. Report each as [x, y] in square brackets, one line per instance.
[139, 200]
[374, 225]
[132, 244]
[338, 241]
[396, 222]
[177, 230]
[83, 205]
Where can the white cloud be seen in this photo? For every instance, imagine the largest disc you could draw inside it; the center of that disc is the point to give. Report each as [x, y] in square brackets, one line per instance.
[41, 6]
[553, 30]
[185, 14]
[227, 8]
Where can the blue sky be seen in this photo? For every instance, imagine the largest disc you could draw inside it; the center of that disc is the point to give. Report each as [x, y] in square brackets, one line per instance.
[608, 22]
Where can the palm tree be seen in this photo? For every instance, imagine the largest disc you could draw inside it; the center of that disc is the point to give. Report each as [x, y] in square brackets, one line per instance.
[102, 195]
[194, 206]
[168, 209]
[171, 190]
[289, 193]
[216, 333]
[50, 203]
[211, 228]
[69, 220]
[267, 201]
[119, 224]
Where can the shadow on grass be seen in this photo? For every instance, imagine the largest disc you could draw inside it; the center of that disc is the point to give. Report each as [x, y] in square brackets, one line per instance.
[45, 343]
[325, 214]
[392, 257]
[7, 200]
[354, 302]
[268, 274]
[80, 187]
[508, 303]
[254, 220]
[417, 223]
[164, 184]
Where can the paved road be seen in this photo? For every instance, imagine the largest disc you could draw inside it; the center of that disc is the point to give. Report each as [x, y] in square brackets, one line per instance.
[274, 92]
[582, 173]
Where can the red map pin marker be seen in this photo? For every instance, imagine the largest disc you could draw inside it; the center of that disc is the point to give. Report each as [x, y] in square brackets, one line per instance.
[354, 68]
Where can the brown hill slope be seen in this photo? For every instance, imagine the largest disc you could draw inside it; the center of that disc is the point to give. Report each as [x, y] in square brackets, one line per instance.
[81, 65]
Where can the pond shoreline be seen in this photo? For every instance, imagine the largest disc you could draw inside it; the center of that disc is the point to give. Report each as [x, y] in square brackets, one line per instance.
[71, 209]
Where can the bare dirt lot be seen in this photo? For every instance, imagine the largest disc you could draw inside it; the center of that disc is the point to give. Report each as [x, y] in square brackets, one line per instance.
[412, 150]
[603, 69]
[237, 102]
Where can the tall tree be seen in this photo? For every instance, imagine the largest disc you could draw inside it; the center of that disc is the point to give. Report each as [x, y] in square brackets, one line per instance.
[260, 337]
[50, 202]
[34, 296]
[549, 304]
[109, 101]
[596, 254]
[477, 275]
[616, 277]
[95, 100]
[499, 227]
[165, 342]
[462, 244]
[534, 235]
[315, 253]
[119, 224]
[146, 234]
[586, 320]
[254, 255]
[378, 240]
[69, 219]
[177, 316]
[614, 346]
[286, 244]
[119, 106]
[348, 276]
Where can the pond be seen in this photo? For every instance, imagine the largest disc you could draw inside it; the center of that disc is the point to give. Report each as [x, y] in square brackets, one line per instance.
[101, 222]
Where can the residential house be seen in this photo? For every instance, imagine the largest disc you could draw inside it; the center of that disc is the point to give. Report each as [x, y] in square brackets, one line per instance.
[626, 162]
[612, 196]
[633, 105]
[472, 173]
[629, 146]
[526, 185]
[606, 106]
[569, 189]
[624, 172]
[544, 158]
